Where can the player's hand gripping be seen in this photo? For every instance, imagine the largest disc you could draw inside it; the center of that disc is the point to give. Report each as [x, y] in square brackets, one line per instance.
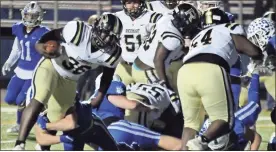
[42, 121]
[6, 67]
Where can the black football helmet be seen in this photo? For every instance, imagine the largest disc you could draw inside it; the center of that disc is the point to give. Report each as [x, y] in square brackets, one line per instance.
[185, 18]
[170, 4]
[106, 31]
[214, 16]
[137, 12]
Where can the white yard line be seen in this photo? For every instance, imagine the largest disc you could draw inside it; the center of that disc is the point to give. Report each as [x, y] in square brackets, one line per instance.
[7, 141]
[7, 109]
[264, 118]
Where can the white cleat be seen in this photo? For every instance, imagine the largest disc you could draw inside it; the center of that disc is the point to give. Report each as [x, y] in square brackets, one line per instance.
[13, 129]
[38, 147]
[19, 147]
[197, 144]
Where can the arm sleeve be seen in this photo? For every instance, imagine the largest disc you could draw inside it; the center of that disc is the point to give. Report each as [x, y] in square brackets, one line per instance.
[116, 88]
[15, 52]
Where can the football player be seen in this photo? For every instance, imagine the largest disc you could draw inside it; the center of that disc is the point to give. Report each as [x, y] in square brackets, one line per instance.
[235, 71]
[261, 32]
[117, 99]
[137, 22]
[244, 119]
[212, 52]
[165, 45]
[26, 34]
[78, 127]
[86, 47]
[162, 6]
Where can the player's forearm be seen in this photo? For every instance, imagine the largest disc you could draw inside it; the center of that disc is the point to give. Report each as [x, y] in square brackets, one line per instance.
[160, 70]
[256, 142]
[122, 102]
[106, 79]
[15, 53]
[62, 125]
[45, 139]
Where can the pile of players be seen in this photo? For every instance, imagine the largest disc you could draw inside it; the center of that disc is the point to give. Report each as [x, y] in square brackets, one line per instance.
[171, 78]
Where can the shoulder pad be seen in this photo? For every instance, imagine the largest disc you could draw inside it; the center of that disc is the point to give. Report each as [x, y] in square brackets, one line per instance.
[72, 32]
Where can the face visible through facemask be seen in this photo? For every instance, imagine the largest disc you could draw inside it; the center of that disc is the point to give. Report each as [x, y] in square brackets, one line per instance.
[132, 7]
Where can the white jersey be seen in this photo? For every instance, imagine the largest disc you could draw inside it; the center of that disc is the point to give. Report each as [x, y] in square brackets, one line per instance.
[135, 32]
[78, 35]
[164, 32]
[158, 99]
[69, 65]
[158, 7]
[216, 40]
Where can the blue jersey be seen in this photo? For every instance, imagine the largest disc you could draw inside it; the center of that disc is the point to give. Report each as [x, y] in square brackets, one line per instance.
[29, 56]
[107, 109]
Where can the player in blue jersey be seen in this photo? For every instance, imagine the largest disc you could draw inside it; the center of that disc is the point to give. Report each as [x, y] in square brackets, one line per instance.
[123, 130]
[26, 34]
[244, 118]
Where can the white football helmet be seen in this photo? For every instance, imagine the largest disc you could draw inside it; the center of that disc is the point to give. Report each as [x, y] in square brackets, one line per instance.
[217, 144]
[204, 5]
[260, 31]
[32, 14]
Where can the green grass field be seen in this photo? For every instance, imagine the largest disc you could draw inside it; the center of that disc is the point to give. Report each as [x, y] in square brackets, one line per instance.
[264, 127]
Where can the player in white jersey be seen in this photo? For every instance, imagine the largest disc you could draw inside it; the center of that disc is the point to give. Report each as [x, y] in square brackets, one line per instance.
[162, 6]
[165, 45]
[203, 81]
[54, 80]
[137, 22]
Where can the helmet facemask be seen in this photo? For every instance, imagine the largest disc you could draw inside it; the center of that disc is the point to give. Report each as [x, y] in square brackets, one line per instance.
[106, 31]
[32, 14]
[134, 12]
[170, 4]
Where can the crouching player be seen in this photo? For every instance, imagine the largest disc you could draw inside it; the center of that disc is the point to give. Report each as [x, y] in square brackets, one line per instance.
[242, 138]
[111, 110]
[78, 126]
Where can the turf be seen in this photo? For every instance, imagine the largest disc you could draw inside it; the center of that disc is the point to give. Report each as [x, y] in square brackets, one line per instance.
[264, 127]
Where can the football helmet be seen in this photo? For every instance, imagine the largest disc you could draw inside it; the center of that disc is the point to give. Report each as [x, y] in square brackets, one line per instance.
[106, 31]
[204, 5]
[32, 14]
[260, 31]
[170, 4]
[135, 13]
[185, 18]
[270, 15]
[214, 16]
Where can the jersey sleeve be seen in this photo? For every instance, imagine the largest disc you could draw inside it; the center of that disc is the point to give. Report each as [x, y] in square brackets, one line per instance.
[171, 41]
[235, 28]
[72, 32]
[15, 28]
[116, 88]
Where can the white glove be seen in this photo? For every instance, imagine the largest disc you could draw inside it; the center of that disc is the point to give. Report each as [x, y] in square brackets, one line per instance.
[6, 67]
